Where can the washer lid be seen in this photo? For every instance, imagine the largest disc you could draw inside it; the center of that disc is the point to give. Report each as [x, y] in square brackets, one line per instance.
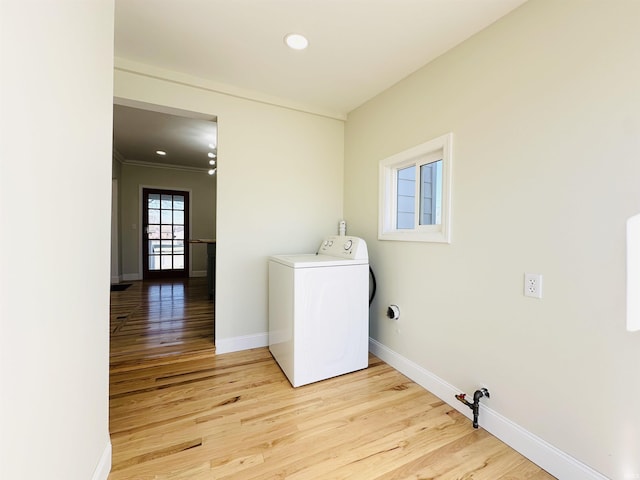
[311, 260]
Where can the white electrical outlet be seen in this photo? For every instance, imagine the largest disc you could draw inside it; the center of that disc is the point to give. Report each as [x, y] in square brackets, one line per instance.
[533, 285]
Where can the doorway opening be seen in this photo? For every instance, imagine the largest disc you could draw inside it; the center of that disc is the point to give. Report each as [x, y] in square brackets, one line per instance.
[166, 199]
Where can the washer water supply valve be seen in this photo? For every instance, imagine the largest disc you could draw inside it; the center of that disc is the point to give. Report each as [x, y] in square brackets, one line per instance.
[475, 406]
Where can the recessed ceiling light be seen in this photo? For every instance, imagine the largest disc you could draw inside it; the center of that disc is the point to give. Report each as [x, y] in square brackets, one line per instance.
[212, 162]
[212, 171]
[212, 146]
[296, 41]
[161, 152]
[211, 155]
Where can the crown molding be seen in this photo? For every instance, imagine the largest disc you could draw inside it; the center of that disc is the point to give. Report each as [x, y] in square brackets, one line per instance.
[129, 66]
[118, 156]
[167, 166]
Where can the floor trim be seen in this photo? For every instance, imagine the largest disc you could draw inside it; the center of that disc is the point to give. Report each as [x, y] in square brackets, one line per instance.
[104, 465]
[246, 342]
[548, 457]
[128, 277]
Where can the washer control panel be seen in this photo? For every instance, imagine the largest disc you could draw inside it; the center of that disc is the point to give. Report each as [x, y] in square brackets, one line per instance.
[353, 248]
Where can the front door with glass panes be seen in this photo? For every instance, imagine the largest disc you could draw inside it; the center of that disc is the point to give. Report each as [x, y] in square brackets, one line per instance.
[165, 221]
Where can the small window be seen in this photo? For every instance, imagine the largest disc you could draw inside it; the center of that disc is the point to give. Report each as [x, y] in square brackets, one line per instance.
[415, 193]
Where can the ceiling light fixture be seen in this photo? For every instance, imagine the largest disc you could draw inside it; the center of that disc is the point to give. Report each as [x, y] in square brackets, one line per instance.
[212, 162]
[212, 146]
[211, 155]
[296, 41]
[211, 171]
[162, 153]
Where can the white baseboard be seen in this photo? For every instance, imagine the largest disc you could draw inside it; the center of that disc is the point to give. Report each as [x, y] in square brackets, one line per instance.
[127, 277]
[198, 273]
[543, 454]
[115, 279]
[104, 465]
[246, 342]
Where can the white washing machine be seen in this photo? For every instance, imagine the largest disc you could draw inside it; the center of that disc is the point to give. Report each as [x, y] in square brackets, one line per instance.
[319, 310]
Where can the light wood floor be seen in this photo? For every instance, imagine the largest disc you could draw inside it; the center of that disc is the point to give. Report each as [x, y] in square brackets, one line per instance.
[178, 411]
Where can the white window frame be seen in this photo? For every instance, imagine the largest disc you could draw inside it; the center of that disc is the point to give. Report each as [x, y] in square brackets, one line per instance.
[433, 150]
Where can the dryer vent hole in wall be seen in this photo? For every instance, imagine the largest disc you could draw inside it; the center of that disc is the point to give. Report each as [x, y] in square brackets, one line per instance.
[393, 312]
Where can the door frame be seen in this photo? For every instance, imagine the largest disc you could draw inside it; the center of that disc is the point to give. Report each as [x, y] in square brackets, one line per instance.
[116, 277]
[140, 225]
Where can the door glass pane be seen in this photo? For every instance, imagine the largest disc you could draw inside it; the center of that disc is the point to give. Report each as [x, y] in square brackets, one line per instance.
[406, 197]
[166, 202]
[178, 261]
[165, 246]
[154, 200]
[178, 217]
[165, 262]
[166, 217]
[178, 231]
[178, 202]
[166, 231]
[153, 231]
[154, 247]
[154, 216]
[154, 262]
[178, 247]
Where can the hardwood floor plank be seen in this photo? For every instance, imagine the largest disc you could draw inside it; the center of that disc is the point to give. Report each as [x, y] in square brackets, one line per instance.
[376, 449]
[438, 460]
[179, 411]
[158, 453]
[525, 470]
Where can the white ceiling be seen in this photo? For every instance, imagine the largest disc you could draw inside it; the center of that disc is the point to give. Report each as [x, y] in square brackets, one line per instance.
[358, 48]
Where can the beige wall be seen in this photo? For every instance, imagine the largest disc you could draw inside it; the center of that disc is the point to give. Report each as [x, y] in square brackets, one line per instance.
[545, 111]
[55, 191]
[202, 205]
[279, 189]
